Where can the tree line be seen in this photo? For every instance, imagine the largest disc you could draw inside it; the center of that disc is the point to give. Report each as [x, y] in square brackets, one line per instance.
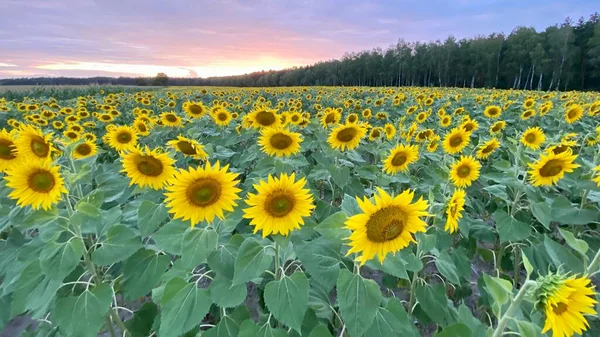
[562, 57]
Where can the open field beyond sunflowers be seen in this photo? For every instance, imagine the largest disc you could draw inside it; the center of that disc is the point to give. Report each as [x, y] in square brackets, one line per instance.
[323, 211]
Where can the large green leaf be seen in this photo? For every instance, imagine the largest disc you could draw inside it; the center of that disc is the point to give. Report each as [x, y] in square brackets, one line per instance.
[562, 256]
[358, 299]
[83, 315]
[150, 216]
[251, 261]
[445, 265]
[121, 242]
[541, 210]
[321, 258]
[392, 321]
[433, 301]
[455, 330]
[33, 291]
[184, 306]
[579, 245]
[287, 299]
[142, 272]
[170, 236]
[333, 227]
[226, 295]
[229, 325]
[564, 212]
[499, 289]
[198, 244]
[140, 325]
[58, 259]
[222, 260]
[509, 228]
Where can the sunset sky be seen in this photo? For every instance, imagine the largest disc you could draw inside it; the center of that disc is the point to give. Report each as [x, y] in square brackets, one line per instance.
[213, 38]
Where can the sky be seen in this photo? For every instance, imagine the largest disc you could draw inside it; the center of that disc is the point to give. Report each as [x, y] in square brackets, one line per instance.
[200, 38]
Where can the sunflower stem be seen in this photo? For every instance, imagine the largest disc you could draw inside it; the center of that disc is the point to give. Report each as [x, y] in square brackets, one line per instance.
[590, 269]
[512, 308]
[277, 269]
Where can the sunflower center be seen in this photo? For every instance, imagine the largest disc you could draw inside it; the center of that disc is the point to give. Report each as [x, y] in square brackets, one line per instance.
[222, 116]
[572, 114]
[386, 224]
[493, 111]
[552, 168]
[171, 118]
[39, 146]
[142, 127]
[330, 119]
[375, 133]
[195, 109]
[352, 118]
[281, 141]
[346, 135]
[488, 149]
[468, 127]
[560, 149]
[149, 166]
[204, 192]
[265, 118]
[463, 171]
[124, 137]
[453, 210]
[83, 149]
[399, 159]
[72, 135]
[106, 117]
[279, 204]
[41, 181]
[6, 147]
[295, 118]
[560, 308]
[186, 147]
[455, 140]
[530, 138]
[496, 128]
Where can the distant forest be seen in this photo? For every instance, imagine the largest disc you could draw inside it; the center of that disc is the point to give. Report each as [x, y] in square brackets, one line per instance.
[562, 57]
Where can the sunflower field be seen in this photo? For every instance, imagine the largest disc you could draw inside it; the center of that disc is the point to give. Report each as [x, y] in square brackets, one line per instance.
[300, 211]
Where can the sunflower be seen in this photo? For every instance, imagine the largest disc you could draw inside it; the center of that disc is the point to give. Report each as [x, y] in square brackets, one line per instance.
[565, 301]
[346, 136]
[170, 119]
[188, 147]
[32, 143]
[464, 171]
[279, 142]
[35, 183]
[7, 150]
[202, 193]
[194, 109]
[528, 103]
[58, 125]
[595, 176]
[122, 138]
[141, 127]
[456, 140]
[375, 133]
[445, 121]
[492, 111]
[295, 118]
[573, 113]
[533, 138]
[390, 131]
[469, 125]
[453, 213]
[86, 149]
[367, 114]
[71, 135]
[400, 157]
[279, 205]
[330, 117]
[106, 118]
[264, 117]
[497, 127]
[147, 167]
[487, 148]
[352, 118]
[222, 117]
[434, 142]
[551, 167]
[421, 117]
[386, 226]
[527, 114]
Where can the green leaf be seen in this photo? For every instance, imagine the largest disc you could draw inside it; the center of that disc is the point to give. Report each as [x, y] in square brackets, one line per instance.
[58, 259]
[226, 295]
[33, 290]
[37, 219]
[222, 260]
[393, 265]
[509, 228]
[433, 301]
[83, 315]
[287, 299]
[392, 321]
[579, 245]
[340, 175]
[121, 242]
[498, 191]
[142, 273]
[500, 291]
[527, 264]
[170, 236]
[455, 330]
[350, 205]
[358, 299]
[140, 325]
[562, 256]
[321, 259]
[318, 300]
[541, 211]
[88, 209]
[150, 216]
[527, 329]
[198, 244]
[250, 262]
[249, 329]
[183, 307]
[229, 325]
[333, 227]
[445, 265]
[564, 212]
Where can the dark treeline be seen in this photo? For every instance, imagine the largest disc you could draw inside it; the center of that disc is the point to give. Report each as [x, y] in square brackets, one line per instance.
[562, 57]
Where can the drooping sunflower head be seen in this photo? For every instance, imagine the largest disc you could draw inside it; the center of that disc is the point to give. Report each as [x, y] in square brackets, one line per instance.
[8, 150]
[497, 127]
[527, 114]
[375, 133]
[148, 168]
[86, 149]
[390, 131]
[573, 113]
[487, 148]
[454, 209]
[533, 138]
[202, 193]
[194, 109]
[32, 143]
[122, 138]
[400, 157]
[551, 167]
[279, 206]
[279, 142]
[35, 183]
[170, 119]
[464, 171]
[456, 140]
[188, 147]
[346, 136]
[434, 143]
[386, 226]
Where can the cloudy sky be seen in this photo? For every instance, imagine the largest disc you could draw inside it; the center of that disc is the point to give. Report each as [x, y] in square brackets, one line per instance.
[213, 38]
